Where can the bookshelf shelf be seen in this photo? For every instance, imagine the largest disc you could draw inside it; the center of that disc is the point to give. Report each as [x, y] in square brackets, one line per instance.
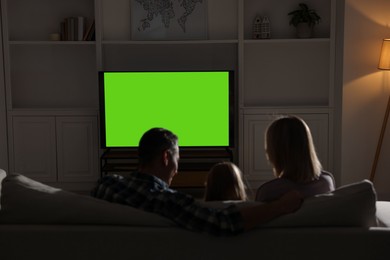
[52, 43]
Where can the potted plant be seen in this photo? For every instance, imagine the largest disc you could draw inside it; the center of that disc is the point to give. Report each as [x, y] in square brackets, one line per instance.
[304, 19]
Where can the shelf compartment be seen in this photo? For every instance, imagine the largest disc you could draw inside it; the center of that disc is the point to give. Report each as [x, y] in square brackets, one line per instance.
[279, 18]
[42, 17]
[282, 74]
[221, 20]
[232, 41]
[52, 42]
[55, 76]
[170, 57]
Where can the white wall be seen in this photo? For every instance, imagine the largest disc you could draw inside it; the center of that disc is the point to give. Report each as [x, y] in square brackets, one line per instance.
[365, 93]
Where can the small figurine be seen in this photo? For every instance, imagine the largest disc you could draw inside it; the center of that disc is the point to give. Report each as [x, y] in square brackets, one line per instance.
[265, 28]
[256, 30]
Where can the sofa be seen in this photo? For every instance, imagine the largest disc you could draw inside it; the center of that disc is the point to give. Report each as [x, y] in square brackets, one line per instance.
[38, 221]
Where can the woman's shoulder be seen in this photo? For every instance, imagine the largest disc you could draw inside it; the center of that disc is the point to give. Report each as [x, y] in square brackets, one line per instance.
[328, 177]
[325, 183]
[326, 174]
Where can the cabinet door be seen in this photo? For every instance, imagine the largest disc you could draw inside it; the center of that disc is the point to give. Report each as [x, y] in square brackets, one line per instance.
[77, 148]
[256, 167]
[34, 147]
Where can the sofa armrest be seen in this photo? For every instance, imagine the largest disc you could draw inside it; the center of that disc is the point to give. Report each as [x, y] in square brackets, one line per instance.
[3, 174]
[383, 213]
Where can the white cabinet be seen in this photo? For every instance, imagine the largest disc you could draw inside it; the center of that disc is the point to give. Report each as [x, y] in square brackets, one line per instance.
[256, 167]
[77, 149]
[55, 148]
[34, 147]
[51, 93]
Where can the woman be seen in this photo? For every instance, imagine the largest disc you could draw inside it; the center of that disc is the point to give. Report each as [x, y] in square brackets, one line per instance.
[290, 150]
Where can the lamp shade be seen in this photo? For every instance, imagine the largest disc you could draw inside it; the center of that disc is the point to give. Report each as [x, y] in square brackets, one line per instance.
[384, 60]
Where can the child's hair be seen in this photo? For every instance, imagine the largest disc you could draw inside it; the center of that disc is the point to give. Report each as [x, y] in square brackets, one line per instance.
[290, 149]
[224, 182]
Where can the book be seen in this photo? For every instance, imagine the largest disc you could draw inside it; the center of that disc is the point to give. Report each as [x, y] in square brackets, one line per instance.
[80, 28]
[89, 34]
[71, 26]
[63, 30]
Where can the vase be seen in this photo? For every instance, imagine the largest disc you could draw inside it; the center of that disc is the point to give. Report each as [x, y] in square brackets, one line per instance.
[304, 30]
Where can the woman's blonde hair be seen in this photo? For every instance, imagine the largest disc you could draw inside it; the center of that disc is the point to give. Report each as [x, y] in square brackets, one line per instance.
[290, 149]
[224, 182]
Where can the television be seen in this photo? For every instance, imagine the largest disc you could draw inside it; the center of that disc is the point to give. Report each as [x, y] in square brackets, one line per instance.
[195, 105]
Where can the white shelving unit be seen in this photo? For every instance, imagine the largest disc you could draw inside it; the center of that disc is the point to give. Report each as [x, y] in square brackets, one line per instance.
[285, 75]
[52, 96]
[57, 80]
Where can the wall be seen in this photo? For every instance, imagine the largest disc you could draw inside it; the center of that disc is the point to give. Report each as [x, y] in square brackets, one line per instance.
[365, 93]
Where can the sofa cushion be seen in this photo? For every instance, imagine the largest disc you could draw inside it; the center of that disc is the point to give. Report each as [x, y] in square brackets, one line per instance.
[25, 201]
[350, 205]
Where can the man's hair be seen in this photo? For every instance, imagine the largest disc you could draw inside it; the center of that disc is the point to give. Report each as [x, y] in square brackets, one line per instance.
[153, 142]
[290, 149]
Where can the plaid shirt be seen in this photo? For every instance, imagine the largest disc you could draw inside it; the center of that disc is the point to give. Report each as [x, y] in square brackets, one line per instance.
[149, 193]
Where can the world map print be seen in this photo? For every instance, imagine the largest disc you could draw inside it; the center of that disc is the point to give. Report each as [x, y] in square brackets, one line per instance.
[164, 10]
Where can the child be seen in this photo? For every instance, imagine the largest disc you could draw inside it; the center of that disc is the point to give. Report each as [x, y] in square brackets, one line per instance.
[290, 149]
[224, 182]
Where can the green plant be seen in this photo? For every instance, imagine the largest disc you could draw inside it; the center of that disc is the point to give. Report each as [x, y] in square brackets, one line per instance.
[304, 15]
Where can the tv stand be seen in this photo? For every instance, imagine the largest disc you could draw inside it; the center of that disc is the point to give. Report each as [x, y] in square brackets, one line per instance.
[194, 164]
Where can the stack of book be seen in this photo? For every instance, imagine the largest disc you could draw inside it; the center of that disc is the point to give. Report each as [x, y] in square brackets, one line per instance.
[75, 29]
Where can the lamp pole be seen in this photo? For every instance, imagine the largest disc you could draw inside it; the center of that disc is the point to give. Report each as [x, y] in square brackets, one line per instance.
[380, 141]
[384, 64]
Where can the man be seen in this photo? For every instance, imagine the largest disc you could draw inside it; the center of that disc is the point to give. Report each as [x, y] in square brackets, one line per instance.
[148, 189]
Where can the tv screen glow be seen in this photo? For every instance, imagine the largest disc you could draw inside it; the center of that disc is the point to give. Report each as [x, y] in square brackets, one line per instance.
[195, 105]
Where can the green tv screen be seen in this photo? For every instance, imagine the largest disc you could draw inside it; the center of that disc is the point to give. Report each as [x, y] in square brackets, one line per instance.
[195, 105]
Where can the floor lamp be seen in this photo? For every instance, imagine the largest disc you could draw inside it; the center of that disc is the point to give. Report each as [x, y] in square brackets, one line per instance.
[384, 64]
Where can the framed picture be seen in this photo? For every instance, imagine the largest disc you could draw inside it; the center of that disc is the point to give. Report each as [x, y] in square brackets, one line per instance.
[168, 19]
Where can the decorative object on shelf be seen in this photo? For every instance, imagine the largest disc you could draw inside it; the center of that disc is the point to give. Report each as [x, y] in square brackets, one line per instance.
[256, 28]
[54, 37]
[304, 19]
[265, 28]
[384, 64]
[261, 28]
[169, 19]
